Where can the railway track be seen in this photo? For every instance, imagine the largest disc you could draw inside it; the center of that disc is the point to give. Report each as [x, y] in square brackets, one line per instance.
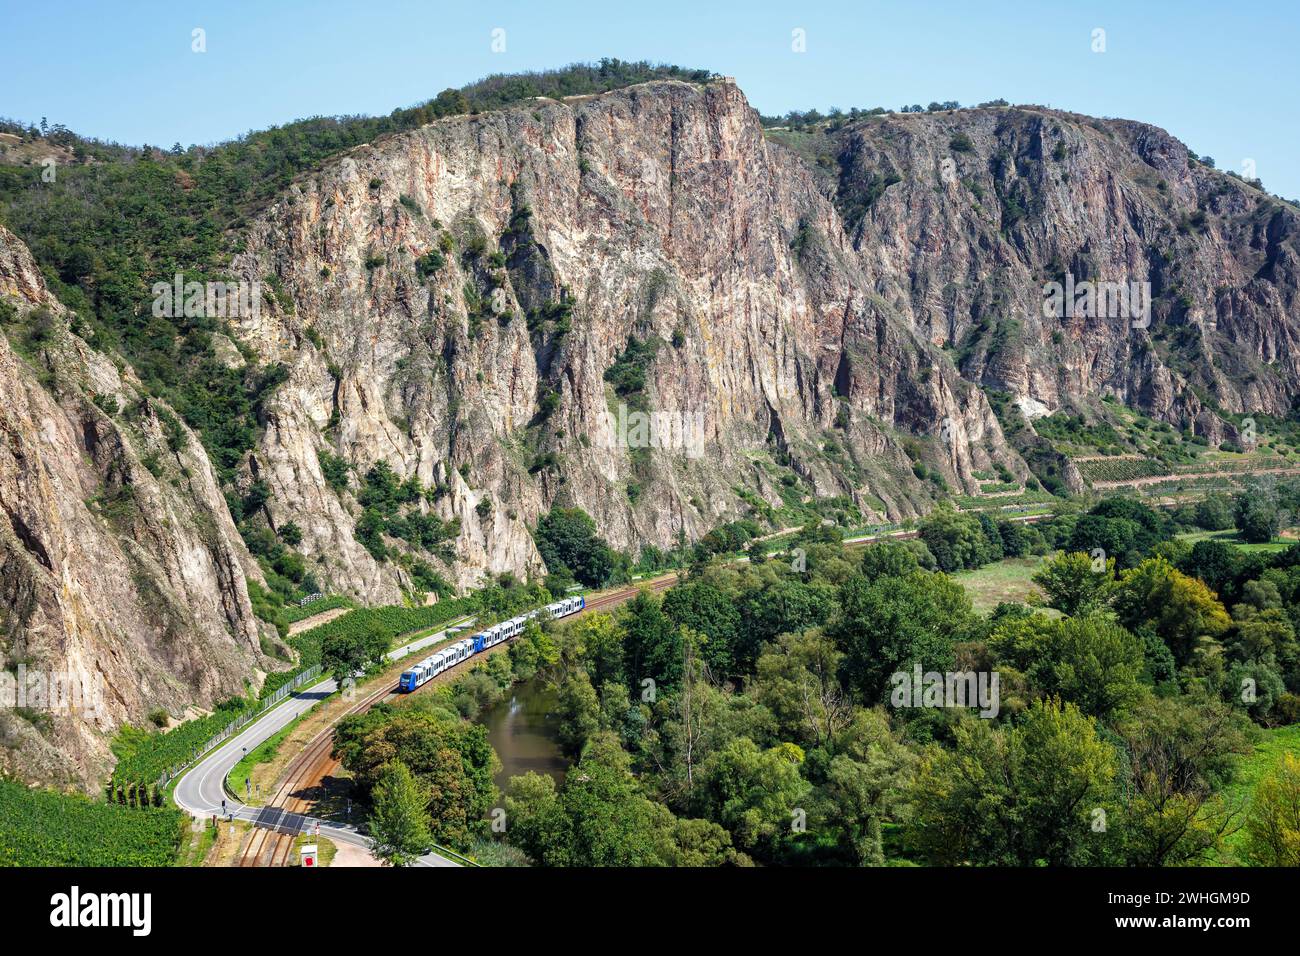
[268, 846]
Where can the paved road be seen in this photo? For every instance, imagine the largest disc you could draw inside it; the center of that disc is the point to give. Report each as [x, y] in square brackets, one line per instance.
[200, 790]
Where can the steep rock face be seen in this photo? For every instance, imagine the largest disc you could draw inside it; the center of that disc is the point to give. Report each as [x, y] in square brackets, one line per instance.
[119, 565]
[961, 218]
[471, 282]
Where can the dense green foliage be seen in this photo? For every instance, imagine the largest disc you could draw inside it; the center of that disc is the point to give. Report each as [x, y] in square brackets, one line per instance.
[399, 821]
[573, 551]
[756, 700]
[46, 828]
[960, 540]
[143, 756]
[450, 760]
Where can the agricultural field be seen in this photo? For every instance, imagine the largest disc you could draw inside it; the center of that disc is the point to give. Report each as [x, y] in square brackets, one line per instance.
[330, 602]
[143, 755]
[46, 828]
[1117, 446]
[1005, 580]
[1122, 469]
[1232, 537]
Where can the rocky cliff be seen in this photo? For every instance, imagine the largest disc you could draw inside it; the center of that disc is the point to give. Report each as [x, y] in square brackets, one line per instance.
[454, 297]
[962, 217]
[121, 572]
[640, 303]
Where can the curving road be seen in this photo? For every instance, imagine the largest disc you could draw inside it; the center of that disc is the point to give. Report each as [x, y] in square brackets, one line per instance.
[200, 790]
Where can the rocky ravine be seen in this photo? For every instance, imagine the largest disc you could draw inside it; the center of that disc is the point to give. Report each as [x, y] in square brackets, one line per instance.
[660, 211]
[119, 564]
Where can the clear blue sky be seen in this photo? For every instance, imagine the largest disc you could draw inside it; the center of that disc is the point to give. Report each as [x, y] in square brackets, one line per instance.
[1221, 76]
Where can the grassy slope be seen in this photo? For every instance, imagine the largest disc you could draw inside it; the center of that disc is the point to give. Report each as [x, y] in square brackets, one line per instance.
[1006, 580]
[1270, 747]
[1231, 537]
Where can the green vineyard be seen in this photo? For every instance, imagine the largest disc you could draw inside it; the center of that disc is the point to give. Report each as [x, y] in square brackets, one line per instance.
[45, 828]
[143, 756]
[392, 621]
[1122, 469]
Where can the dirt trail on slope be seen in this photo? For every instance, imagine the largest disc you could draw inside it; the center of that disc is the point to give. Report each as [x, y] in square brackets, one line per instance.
[324, 617]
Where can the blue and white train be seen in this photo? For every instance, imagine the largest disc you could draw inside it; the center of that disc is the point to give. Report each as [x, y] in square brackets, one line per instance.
[453, 654]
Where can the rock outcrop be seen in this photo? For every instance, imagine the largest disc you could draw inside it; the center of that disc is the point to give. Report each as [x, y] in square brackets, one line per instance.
[963, 217]
[456, 294]
[639, 303]
[121, 572]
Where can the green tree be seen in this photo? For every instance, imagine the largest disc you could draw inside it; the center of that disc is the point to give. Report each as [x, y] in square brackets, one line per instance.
[1257, 517]
[703, 607]
[1092, 662]
[958, 540]
[567, 539]
[652, 645]
[1123, 528]
[866, 785]
[1273, 823]
[596, 640]
[451, 758]
[755, 793]
[1214, 513]
[1089, 661]
[888, 559]
[1181, 753]
[895, 623]
[579, 712]
[784, 606]
[1074, 585]
[343, 654]
[1182, 610]
[1015, 796]
[536, 821]
[399, 819]
[798, 681]
[612, 821]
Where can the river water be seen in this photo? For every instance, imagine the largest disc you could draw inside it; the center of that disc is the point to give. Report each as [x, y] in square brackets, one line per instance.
[521, 729]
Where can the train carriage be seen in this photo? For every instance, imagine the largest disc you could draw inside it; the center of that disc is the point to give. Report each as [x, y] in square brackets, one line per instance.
[449, 656]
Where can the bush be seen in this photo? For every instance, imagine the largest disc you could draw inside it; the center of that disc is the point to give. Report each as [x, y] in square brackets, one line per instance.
[429, 263]
[334, 469]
